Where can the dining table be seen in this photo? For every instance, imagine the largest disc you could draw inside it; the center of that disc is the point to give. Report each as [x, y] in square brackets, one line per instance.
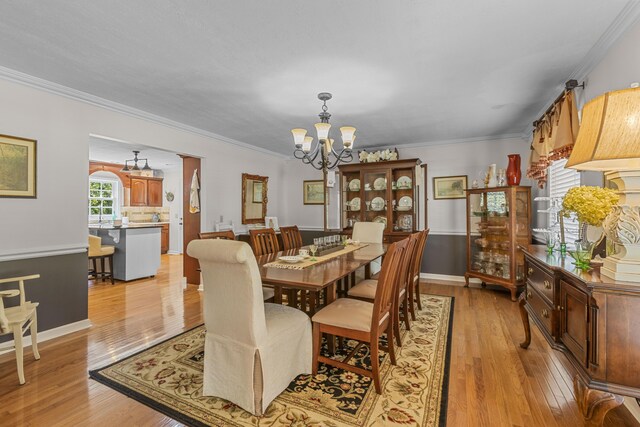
[318, 278]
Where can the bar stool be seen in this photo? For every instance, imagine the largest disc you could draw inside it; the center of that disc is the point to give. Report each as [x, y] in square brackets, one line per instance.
[97, 251]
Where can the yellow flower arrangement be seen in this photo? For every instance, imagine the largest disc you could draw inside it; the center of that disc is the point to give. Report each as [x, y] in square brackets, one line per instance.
[591, 205]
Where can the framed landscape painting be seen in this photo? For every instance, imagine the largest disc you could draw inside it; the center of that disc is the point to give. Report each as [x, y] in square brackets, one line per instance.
[449, 187]
[17, 167]
[313, 192]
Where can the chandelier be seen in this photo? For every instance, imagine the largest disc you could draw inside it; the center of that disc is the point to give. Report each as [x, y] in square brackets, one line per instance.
[324, 150]
[135, 166]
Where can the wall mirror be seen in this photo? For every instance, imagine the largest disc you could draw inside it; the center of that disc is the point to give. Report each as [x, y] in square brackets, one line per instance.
[254, 198]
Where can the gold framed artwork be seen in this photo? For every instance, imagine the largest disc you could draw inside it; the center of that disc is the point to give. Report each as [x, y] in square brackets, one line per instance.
[313, 192]
[449, 187]
[17, 167]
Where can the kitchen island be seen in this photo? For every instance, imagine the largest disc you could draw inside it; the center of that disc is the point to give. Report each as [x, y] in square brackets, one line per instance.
[137, 253]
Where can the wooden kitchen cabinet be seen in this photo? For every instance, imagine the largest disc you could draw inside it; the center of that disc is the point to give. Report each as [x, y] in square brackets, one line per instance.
[154, 192]
[146, 191]
[164, 239]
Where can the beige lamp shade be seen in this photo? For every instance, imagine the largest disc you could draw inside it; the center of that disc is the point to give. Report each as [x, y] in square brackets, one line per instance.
[609, 136]
[298, 136]
[323, 130]
[306, 145]
[347, 135]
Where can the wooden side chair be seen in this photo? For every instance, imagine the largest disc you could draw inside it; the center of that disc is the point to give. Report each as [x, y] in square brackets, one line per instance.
[98, 251]
[367, 289]
[362, 321]
[264, 241]
[414, 277]
[16, 320]
[226, 235]
[268, 293]
[291, 237]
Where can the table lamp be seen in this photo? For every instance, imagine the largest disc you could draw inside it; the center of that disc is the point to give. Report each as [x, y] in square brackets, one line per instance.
[609, 141]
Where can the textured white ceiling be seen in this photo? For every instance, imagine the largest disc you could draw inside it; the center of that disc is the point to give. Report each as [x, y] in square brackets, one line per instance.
[402, 72]
[103, 149]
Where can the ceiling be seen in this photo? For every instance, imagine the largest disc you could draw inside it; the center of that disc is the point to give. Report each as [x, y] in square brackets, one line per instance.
[103, 149]
[402, 72]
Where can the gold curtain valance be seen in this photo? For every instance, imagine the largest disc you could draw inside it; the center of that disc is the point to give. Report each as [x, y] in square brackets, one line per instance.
[553, 137]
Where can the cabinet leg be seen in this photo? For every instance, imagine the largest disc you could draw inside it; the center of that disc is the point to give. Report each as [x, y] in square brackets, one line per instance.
[466, 280]
[594, 404]
[525, 322]
[513, 294]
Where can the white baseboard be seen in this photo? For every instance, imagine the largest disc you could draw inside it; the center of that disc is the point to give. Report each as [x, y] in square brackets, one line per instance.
[449, 278]
[174, 253]
[632, 406]
[49, 334]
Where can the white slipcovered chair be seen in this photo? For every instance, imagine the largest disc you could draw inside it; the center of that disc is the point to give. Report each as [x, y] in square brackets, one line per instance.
[16, 320]
[369, 232]
[252, 350]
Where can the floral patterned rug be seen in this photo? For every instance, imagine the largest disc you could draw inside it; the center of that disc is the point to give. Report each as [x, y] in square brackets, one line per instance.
[168, 378]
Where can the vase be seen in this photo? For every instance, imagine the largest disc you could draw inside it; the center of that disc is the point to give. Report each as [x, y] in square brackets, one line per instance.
[514, 174]
[491, 175]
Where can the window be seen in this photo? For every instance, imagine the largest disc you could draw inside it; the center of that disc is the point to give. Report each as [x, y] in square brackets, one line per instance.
[560, 181]
[103, 198]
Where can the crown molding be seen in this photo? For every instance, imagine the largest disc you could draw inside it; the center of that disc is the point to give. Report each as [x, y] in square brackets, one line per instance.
[77, 95]
[487, 138]
[628, 16]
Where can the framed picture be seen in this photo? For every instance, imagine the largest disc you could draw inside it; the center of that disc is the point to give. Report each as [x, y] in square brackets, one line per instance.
[271, 222]
[313, 192]
[17, 167]
[257, 192]
[449, 187]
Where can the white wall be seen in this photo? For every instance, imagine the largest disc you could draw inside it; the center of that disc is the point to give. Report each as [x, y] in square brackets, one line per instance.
[295, 212]
[57, 218]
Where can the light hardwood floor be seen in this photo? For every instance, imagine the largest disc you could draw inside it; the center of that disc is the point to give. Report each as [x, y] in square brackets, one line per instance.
[492, 381]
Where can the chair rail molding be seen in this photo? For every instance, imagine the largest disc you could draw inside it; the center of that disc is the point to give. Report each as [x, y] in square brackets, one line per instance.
[43, 251]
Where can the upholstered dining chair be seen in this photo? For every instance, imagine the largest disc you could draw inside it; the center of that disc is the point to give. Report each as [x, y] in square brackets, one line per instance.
[291, 237]
[252, 350]
[362, 321]
[227, 235]
[264, 241]
[16, 320]
[368, 232]
[414, 277]
[268, 292]
[366, 290]
[98, 251]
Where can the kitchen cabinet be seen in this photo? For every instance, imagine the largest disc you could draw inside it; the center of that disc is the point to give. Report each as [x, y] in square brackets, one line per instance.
[146, 191]
[164, 239]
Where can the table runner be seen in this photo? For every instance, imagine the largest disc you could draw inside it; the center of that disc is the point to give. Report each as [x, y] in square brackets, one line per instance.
[319, 259]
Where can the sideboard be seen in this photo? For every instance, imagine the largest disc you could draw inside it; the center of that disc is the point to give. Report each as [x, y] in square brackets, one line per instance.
[593, 320]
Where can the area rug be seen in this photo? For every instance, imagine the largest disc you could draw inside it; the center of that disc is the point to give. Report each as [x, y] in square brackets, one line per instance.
[168, 378]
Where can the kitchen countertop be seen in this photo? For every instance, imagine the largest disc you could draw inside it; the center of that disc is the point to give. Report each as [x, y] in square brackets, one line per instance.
[130, 225]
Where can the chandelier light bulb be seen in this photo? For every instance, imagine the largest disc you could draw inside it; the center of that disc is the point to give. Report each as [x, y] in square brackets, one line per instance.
[347, 135]
[306, 145]
[298, 136]
[323, 130]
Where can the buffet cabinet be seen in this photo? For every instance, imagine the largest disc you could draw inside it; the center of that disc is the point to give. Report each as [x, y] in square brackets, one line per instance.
[593, 320]
[498, 221]
[385, 192]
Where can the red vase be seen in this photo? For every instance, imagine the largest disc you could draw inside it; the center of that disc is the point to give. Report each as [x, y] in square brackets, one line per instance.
[514, 174]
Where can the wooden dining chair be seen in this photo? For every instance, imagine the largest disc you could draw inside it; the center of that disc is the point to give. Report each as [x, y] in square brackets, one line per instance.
[291, 237]
[226, 235]
[264, 241]
[18, 319]
[362, 321]
[367, 289]
[414, 277]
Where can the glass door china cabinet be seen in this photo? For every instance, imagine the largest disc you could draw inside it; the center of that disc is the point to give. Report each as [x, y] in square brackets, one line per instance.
[497, 222]
[385, 192]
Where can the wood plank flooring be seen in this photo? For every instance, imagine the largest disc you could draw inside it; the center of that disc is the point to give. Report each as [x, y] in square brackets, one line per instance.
[493, 381]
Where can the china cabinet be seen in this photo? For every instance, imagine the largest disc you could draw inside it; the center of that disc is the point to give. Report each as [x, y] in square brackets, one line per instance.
[498, 221]
[385, 192]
